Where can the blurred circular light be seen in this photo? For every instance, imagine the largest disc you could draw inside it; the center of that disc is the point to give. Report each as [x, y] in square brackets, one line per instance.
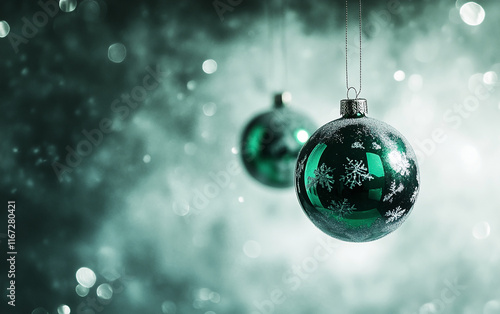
[4, 29]
[117, 53]
[168, 307]
[472, 13]
[146, 159]
[67, 5]
[415, 82]
[81, 291]
[234, 150]
[86, 277]
[209, 109]
[105, 291]
[481, 230]
[399, 75]
[490, 78]
[492, 307]
[209, 66]
[215, 297]
[63, 309]
[252, 249]
[39, 310]
[302, 136]
[241, 199]
[191, 85]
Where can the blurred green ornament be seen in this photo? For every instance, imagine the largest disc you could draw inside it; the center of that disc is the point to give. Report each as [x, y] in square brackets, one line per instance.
[271, 142]
[357, 178]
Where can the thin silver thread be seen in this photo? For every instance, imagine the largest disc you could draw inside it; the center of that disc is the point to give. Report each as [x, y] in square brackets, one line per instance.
[346, 50]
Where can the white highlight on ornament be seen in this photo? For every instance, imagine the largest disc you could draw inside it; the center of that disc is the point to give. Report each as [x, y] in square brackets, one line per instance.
[492, 307]
[286, 97]
[490, 78]
[399, 75]
[117, 53]
[63, 309]
[168, 307]
[481, 230]
[4, 29]
[85, 277]
[234, 150]
[209, 109]
[67, 5]
[415, 82]
[146, 159]
[302, 136]
[472, 13]
[252, 249]
[105, 291]
[209, 66]
[81, 291]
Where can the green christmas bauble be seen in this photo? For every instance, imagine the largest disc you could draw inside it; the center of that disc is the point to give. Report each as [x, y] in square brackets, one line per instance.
[357, 178]
[271, 142]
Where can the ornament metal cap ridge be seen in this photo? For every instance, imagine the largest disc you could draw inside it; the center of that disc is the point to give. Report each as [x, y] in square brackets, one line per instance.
[353, 107]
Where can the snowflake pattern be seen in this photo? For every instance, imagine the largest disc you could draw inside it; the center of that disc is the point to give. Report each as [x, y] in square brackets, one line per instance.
[355, 173]
[323, 176]
[400, 163]
[300, 168]
[394, 214]
[376, 146]
[393, 191]
[343, 208]
[357, 145]
[414, 195]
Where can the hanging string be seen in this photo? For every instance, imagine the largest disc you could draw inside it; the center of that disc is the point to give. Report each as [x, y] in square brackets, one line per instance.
[346, 50]
[284, 51]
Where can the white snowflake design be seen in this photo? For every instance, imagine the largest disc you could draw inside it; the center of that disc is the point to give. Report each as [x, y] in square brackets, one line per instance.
[357, 145]
[342, 208]
[400, 163]
[394, 214]
[376, 146]
[355, 173]
[323, 176]
[414, 195]
[300, 168]
[393, 191]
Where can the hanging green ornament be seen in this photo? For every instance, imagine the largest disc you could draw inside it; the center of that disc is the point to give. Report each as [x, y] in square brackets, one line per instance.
[356, 177]
[271, 142]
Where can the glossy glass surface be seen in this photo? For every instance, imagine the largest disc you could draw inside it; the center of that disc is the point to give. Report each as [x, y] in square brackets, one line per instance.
[270, 145]
[357, 179]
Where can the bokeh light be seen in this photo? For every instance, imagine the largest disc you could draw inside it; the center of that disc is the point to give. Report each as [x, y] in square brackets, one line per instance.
[399, 75]
[252, 249]
[209, 66]
[81, 291]
[117, 53]
[481, 230]
[67, 5]
[63, 309]
[104, 291]
[86, 277]
[472, 13]
[4, 29]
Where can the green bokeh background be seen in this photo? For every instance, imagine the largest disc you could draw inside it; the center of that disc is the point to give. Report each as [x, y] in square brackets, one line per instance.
[161, 208]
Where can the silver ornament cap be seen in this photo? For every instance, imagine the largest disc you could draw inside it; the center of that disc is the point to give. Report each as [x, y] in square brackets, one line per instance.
[353, 107]
[282, 99]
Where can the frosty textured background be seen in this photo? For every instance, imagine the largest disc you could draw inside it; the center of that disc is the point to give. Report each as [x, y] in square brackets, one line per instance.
[147, 211]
